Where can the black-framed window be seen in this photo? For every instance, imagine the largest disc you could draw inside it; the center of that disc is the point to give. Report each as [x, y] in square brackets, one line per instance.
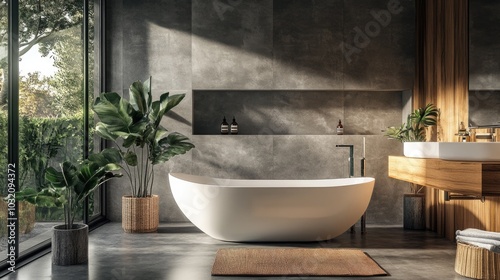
[49, 74]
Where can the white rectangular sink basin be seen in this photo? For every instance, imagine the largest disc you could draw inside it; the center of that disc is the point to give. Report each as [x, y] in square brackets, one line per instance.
[470, 151]
[421, 149]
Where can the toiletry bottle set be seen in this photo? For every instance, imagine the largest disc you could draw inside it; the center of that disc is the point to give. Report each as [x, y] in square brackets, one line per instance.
[225, 128]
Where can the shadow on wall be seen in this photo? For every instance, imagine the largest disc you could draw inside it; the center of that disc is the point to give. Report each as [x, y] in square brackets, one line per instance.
[173, 115]
[287, 44]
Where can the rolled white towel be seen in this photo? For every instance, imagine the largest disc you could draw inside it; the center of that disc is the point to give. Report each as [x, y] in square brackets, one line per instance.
[484, 246]
[492, 245]
[472, 232]
[489, 247]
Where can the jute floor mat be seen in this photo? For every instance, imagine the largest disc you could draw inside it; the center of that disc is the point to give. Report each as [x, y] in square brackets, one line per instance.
[294, 262]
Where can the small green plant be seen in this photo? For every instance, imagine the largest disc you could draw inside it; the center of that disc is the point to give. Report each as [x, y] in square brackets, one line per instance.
[72, 183]
[414, 128]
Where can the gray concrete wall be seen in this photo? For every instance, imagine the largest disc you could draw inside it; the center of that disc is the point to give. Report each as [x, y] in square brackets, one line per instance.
[351, 57]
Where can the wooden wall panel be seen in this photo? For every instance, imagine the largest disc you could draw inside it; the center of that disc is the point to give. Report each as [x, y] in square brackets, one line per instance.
[442, 64]
[442, 79]
[475, 214]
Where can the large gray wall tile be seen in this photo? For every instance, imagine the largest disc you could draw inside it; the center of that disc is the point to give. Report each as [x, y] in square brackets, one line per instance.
[387, 199]
[114, 46]
[137, 42]
[233, 156]
[232, 48]
[306, 52]
[163, 36]
[371, 112]
[384, 55]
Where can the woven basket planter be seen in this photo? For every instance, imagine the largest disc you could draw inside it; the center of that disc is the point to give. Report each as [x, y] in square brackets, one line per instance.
[477, 263]
[140, 214]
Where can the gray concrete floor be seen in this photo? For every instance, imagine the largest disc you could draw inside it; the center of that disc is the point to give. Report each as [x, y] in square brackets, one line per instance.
[181, 252]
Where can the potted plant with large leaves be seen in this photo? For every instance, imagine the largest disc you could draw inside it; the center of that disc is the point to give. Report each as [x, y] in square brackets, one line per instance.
[68, 187]
[134, 126]
[413, 136]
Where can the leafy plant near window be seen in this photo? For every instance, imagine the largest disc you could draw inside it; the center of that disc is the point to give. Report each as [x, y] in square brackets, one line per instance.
[72, 183]
[414, 130]
[134, 126]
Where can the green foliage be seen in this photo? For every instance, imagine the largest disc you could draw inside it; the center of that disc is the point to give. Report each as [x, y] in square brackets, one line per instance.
[55, 28]
[414, 128]
[44, 141]
[40, 140]
[71, 183]
[67, 82]
[35, 96]
[40, 22]
[134, 126]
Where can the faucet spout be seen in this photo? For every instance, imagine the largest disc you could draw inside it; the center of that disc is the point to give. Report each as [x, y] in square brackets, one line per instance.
[351, 158]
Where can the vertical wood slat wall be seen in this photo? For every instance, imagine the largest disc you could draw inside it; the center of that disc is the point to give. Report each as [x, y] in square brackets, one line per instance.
[442, 79]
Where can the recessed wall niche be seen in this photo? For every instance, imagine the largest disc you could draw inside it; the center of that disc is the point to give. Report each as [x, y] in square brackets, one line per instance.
[296, 112]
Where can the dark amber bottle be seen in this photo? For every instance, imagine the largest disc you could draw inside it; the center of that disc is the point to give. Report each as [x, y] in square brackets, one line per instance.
[234, 126]
[340, 128]
[224, 126]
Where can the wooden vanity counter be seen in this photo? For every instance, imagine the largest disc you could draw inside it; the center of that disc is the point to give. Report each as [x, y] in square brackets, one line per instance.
[465, 177]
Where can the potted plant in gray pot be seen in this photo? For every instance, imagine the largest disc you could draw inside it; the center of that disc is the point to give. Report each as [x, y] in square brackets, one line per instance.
[413, 135]
[133, 125]
[68, 187]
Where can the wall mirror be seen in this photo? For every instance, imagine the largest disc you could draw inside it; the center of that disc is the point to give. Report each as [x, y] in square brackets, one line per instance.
[484, 63]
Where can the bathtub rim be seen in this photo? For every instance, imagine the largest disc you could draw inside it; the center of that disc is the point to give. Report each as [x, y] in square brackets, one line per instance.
[270, 183]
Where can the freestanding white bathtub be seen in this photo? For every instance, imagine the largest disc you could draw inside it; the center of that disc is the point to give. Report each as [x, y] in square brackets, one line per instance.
[271, 210]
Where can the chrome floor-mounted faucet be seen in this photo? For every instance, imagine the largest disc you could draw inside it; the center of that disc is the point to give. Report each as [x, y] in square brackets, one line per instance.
[351, 174]
[351, 158]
